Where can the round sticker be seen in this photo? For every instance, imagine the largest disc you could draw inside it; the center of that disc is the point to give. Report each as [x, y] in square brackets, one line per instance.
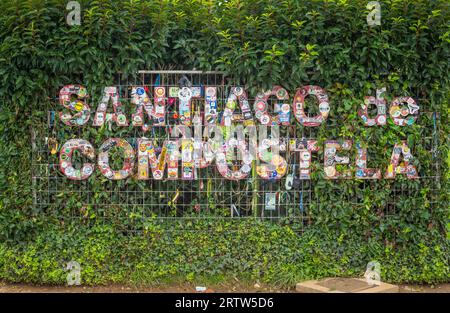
[231, 105]
[79, 106]
[329, 161]
[395, 111]
[405, 111]
[330, 171]
[324, 107]
[160, 91]
[305, 155]
[281, 93]
[87, 170]
[185, 94]
[121, 118]
[330, 151]
[265, 119]
[260, 105]
[238, 91]
[285, 108]
[69, 172]
[210, 91]
[381, 119]
[406, 150]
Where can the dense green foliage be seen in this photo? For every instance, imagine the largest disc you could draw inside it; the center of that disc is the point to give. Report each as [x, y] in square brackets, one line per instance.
[257, 43]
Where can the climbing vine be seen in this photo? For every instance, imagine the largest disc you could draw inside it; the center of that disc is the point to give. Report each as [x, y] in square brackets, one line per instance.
[257, 44]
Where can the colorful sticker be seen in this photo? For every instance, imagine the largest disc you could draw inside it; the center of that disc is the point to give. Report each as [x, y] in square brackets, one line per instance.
[331, 159]
[147, 155]
[305, 148]
[103, 159]
[78, 105]
[237, 94]
[380, 102]
[187, 159]
[173, 92]
[118, 116]
[395, 167]
[404, 115]
[283, 110]
[65, 159]
[270, 201]
[299, 105]
[362, 172]
[210, 105]
[156, 113]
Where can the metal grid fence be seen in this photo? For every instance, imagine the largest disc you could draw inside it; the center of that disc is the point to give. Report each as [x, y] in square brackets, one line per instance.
[210, 196]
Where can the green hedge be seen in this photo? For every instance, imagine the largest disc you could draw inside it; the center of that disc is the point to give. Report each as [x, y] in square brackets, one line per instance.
[247, 250]
[257, 43]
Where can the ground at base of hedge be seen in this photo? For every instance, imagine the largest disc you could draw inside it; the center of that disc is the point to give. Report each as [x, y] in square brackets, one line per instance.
[25, 288]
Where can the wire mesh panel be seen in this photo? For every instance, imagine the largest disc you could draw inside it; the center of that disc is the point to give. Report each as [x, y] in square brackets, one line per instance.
[209, 195]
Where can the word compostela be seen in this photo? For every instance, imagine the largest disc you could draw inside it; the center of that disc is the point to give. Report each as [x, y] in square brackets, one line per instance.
[201, 150]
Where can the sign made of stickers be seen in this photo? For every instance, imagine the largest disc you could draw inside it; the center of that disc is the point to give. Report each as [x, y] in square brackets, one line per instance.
[195, 153]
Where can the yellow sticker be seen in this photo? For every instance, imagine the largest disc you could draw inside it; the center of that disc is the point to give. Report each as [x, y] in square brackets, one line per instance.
[391, 168]
[395, 111]
[79, 106]
[281, 170]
